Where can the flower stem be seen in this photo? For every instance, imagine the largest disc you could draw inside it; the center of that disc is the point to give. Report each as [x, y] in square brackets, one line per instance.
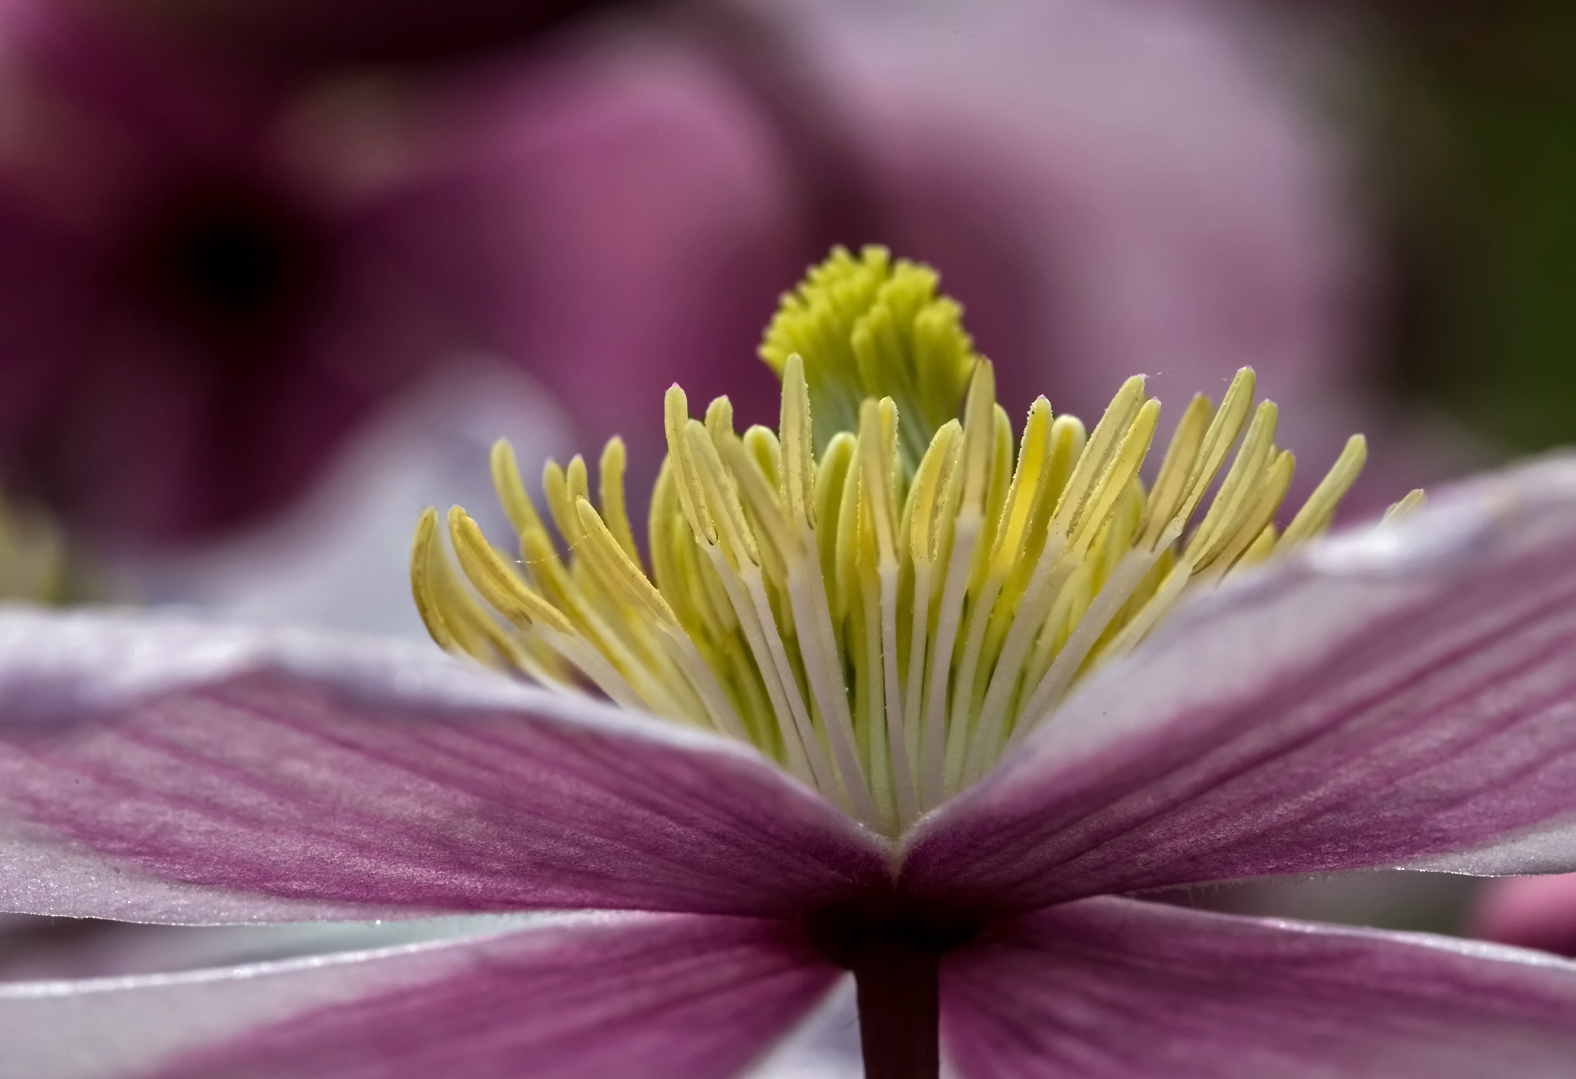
[899, 1009]
[893, 944]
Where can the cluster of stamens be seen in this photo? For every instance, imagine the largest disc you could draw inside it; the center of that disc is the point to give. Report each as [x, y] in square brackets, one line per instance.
[887, 599]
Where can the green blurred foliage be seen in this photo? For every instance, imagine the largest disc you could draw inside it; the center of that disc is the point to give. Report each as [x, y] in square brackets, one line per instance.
[1472, 127]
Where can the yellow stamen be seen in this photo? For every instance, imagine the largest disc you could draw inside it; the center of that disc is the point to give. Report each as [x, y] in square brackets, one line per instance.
[610, 488]
[1409, 504]
[34, 562]
[1319, 510]
[888, 592]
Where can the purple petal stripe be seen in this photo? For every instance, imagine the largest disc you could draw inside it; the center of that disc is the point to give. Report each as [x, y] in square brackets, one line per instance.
[1403, 693]
[1120, 989]
[615, 996]
[366, 778]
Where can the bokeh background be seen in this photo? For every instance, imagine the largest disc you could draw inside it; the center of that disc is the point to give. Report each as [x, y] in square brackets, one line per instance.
[275, 273]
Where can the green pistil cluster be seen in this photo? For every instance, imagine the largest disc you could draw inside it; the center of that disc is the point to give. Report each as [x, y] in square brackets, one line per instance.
[869, 328]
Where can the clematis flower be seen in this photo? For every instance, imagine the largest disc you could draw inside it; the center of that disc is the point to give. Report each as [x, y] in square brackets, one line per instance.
[231, 272]
[902, 694]
[172, 283]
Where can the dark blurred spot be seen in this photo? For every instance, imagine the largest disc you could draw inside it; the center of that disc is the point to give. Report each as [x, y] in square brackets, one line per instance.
[219, 289]
[309, 33]
[842, 932]
[228, 265]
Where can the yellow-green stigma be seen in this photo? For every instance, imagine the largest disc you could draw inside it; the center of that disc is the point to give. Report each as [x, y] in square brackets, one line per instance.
[33, 564]
[889, 591]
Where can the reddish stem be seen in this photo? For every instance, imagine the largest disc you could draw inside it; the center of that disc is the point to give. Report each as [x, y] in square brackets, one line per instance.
[899, 1010]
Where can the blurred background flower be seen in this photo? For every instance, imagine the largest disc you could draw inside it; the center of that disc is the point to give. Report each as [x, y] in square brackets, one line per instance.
[228, 244]
[273, 275]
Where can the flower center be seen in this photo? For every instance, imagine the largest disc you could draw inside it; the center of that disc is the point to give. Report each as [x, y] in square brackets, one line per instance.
[884, 595]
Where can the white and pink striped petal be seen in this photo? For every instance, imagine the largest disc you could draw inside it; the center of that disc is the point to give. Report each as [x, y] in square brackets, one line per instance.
[159, 770]
[582, 997]
[1121, 989]
[1402, 693]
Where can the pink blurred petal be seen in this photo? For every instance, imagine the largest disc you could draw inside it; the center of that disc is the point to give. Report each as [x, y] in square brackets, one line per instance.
[615, 996]
[1166, 187]
[1121, 989]
[1531, 912]
[333, 560]
[1106, 185]
[1397, 692]
[1114, 186]
[616, 212]
[158, 770]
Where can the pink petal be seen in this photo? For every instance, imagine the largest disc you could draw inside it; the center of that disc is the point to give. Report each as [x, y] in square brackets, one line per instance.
[585, 998]
[158, 770]
[1396, 693]
[327, 562]
[1166, 202]
[1116, 988]
[611, 172]
[1531, 912]
[824, 1046]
